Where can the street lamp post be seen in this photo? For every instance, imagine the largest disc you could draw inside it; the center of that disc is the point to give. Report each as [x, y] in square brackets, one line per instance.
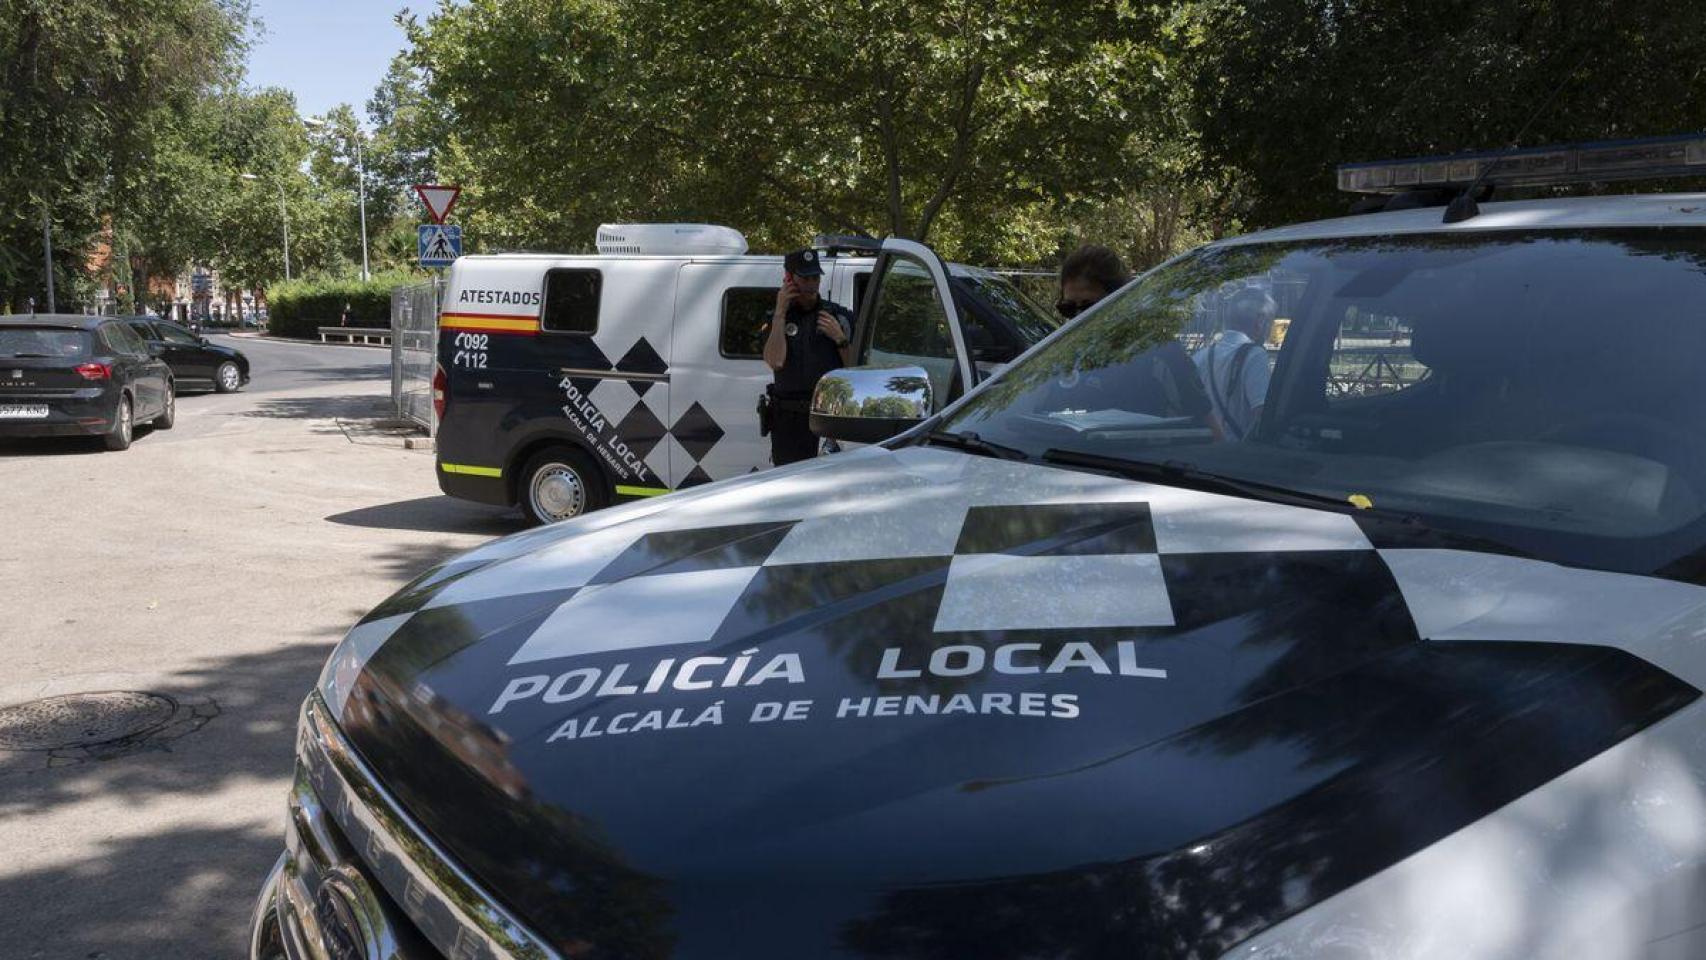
[315, 123]
[361, 189]
[283, 219]
[47, 246]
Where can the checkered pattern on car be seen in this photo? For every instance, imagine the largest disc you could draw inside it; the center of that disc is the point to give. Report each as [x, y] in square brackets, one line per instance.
[640, 415]
[1062, 566]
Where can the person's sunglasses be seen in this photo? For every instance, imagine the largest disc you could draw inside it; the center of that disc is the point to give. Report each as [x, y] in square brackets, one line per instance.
[1070, 308]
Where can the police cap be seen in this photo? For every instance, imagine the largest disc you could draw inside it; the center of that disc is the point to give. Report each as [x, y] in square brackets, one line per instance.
[803, 263]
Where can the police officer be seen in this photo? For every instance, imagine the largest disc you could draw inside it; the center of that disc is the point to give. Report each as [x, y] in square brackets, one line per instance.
[809, 336]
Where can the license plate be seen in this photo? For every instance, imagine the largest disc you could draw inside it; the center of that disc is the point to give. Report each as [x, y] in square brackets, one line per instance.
[23, 411]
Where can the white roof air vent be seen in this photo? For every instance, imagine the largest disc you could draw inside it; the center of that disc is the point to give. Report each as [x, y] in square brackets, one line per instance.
[669, 238]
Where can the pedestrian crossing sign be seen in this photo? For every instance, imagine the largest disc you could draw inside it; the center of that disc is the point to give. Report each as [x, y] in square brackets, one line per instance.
[439, 244]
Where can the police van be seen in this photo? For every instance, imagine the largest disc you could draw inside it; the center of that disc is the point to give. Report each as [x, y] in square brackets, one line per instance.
[565, 383]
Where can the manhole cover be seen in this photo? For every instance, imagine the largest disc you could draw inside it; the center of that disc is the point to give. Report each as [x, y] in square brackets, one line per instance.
[83, 719]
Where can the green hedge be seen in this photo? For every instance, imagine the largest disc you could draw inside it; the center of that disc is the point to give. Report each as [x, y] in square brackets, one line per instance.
[297, 308]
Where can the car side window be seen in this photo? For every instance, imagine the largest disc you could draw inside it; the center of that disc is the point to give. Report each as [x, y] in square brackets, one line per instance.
[910, 326]
[114, 337]
[172, 334]
[746, 321]
[571, 301]
[142, 329]
[138, 345]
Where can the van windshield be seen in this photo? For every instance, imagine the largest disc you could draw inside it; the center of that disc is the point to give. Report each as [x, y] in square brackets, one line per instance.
[1540, 388]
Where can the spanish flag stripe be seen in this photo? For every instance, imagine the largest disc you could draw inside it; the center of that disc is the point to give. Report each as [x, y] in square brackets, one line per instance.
[487, 323]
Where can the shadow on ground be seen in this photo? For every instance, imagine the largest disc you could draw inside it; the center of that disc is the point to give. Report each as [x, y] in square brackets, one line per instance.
[65, 446]
[353, 407]
[51, 447]
[182, 889]
[185, 892]
[294, 377]
[435, 515]
[179, 882]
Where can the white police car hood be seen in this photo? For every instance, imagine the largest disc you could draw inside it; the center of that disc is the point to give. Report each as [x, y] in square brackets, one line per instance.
[924, 704]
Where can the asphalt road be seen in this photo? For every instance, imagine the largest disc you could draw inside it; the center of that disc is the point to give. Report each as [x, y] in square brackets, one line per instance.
[214, 564]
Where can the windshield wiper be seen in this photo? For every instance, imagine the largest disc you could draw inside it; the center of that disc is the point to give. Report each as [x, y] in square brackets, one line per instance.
[1180, 474]
[30, 356]
[970, 442]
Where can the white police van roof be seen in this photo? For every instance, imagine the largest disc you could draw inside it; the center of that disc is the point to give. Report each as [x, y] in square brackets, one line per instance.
[955, 269]
[1638, 210]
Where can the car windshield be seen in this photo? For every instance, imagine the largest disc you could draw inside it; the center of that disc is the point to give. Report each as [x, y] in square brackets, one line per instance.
[1540, 389]
[56, 342]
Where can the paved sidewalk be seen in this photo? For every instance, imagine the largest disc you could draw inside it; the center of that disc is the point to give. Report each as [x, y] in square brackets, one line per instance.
[215, 564]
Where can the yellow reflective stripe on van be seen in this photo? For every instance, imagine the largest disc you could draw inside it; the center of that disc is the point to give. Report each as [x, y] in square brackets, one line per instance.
[640, 491]
[488, 323]
[471, 471]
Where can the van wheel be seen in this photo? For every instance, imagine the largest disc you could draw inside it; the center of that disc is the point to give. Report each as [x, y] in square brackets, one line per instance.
[558, 483]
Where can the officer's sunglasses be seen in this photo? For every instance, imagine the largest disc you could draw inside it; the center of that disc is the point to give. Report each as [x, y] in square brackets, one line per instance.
[1070, 308]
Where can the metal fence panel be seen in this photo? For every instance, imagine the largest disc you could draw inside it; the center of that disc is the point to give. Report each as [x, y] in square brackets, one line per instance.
[414, 351]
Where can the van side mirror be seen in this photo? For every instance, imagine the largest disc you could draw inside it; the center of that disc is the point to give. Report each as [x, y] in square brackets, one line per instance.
[870, 404]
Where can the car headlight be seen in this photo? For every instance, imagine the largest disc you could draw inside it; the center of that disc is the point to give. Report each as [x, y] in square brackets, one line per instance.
[337, 677]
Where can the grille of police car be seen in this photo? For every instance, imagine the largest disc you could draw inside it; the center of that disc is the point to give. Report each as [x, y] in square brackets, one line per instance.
[349, 838]
[623, 401]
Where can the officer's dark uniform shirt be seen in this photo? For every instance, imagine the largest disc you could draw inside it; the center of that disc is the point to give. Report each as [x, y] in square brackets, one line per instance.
[810, 353]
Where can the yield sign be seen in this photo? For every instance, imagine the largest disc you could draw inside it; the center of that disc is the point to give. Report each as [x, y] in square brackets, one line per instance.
[438, 199]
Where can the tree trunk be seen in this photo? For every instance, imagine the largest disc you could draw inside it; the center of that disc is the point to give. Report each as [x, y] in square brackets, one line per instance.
[891, 162]
[962, 147]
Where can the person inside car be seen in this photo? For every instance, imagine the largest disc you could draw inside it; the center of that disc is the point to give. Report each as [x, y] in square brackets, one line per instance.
[1234, 366]
[1166, 385]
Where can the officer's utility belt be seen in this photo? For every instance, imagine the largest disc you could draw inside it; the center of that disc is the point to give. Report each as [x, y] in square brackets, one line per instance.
[771, 401]
[789, 402]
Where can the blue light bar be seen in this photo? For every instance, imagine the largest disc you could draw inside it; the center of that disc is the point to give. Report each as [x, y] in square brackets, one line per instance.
[1648, 158]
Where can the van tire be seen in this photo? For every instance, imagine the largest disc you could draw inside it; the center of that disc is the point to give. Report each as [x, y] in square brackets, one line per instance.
[559, 483]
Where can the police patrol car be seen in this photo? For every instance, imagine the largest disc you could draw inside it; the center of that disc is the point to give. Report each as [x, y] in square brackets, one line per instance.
[568, 382]
[1412, 670]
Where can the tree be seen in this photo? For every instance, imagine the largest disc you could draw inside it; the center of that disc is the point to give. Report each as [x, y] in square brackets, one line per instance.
[336, 166]
[973, 109]
[408, 136]
[86, 89]
[922, 120]
[539, 95]
[1281, 91]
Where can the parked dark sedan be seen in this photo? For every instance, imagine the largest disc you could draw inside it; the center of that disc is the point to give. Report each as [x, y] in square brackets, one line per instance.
[196, 362]
[66, 376]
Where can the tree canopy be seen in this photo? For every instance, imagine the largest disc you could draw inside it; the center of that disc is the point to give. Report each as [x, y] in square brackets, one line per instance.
[1002, 131]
